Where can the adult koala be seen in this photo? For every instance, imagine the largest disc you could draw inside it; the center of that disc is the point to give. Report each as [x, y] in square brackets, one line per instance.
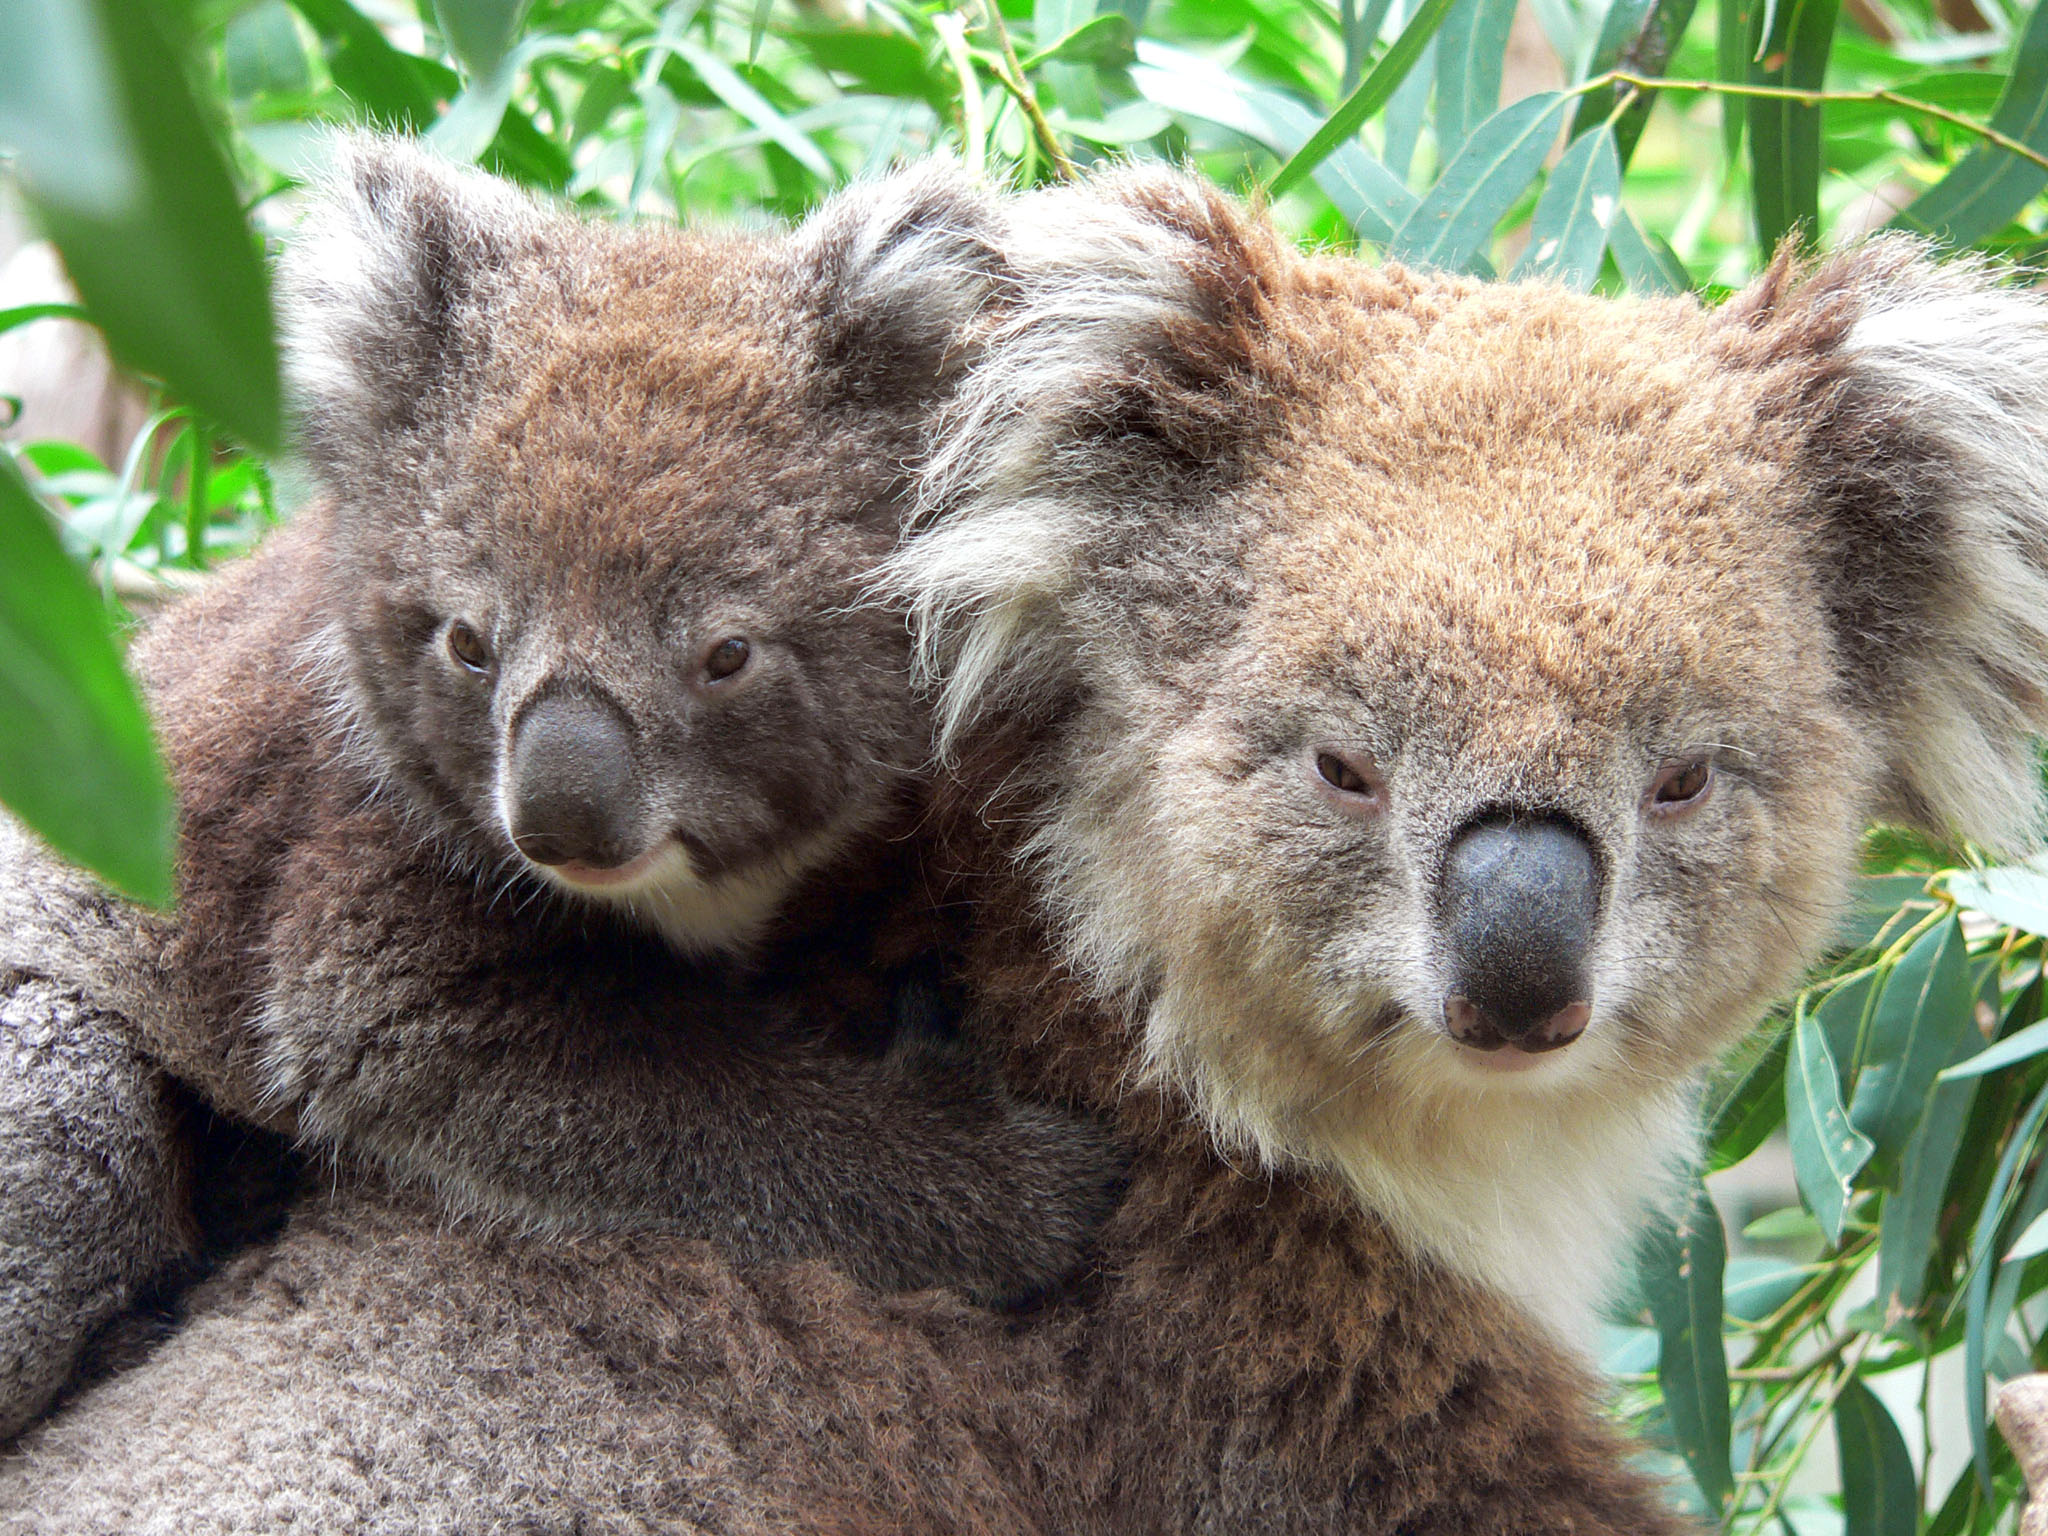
[1284, 612]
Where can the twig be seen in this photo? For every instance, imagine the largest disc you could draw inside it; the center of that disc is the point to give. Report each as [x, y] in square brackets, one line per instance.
[1012, 79]
[952, 32]
[1815, 99]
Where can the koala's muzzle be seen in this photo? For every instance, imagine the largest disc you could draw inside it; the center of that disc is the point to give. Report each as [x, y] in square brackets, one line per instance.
[572, 792]
[1519, 905]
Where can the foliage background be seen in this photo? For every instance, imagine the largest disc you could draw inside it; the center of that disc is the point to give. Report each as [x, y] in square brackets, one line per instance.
[1624, 145]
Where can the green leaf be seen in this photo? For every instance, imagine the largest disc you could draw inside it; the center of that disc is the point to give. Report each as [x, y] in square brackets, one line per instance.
[1363, 190]
[1785, 136]
[2023, 1046]
[2016, 895]
[1372, 94]
[1991, 185]
[2031, 1243]
[136, 194]
[1456, 218]
[1108, 41]
[884, 62]
[1925, 1013]
[473, 120]
[1880, 1493]
[77, 762]
[1640, 35]
[478, 32]
[1827, 1151]
[1471, 48]
[1910, 1231]
[25, 314]
[1983, 1255]
[726, 84]
[1647, 264]
[1680, 1272]
[1753, 1289]
[262, 53]
[1580, 202]
[395, 88]
[1734, 25]
[1746, 1102]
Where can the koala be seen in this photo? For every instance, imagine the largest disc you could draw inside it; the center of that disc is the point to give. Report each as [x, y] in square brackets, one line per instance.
[544, 785]
[1293, 625]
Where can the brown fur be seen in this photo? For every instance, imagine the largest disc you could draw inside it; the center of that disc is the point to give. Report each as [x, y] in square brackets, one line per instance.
[603, 448]
[1519, 544]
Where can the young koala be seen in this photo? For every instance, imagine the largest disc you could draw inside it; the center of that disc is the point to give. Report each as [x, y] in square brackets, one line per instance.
[499, 765]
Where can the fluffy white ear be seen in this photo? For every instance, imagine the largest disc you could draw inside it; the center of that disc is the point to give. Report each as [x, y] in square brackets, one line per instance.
[896, 273]
[1926, 428]
[1124, 361]
[378, 283]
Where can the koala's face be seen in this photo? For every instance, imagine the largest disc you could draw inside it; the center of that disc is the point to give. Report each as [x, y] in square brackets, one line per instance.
[1524, 767]
[604, 504]
[1448, 712]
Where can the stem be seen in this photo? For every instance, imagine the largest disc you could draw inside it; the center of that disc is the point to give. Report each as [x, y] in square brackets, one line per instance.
[973, 131]
[1813, 1429]
[196, 478]
[1985, 131]
[1011, 78]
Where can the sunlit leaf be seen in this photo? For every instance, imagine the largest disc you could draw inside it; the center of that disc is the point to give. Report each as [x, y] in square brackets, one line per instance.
[1991, 184]
[1109, 41]
[2016, 895]
[77, 762]
[137, 196]
[1647, 264]
[725, 82]
[1784, 136]
[1471, 47]
[1580, 202]
[1372, 94]
[479, 32]
[1456, 217]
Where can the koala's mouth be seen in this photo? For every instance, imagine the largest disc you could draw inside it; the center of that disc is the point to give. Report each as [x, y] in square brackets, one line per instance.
[667, 863]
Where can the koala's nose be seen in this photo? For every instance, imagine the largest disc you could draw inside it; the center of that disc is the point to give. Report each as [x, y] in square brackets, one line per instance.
[571, 790]
[1519, 906]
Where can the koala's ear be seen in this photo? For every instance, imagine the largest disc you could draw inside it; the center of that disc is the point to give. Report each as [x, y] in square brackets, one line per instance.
[1131, 354]
[380, 287]
[894, 274]
[1923, 421]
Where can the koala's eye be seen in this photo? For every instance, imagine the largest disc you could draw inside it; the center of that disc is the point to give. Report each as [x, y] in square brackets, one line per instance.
[726, 658]
[1681, 787]
[468, 648]
[1354, 777]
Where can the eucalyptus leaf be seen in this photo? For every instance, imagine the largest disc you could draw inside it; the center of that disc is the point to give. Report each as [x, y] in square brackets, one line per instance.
[1372, 93]
[1471, 48]
[1925, 1013]
[1977, 1332]
[1785, 136]
[1827, 1151]
[1647, 263]
[1680, 1269]
[479, 32]
[1880, 1494]
[2016, 895]
[137, 196]
[1580, 203]
[78, 764]
[1457, 216]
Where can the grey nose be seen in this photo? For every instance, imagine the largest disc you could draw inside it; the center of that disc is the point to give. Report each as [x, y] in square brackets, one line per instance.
[1519, 906]
[572, 794]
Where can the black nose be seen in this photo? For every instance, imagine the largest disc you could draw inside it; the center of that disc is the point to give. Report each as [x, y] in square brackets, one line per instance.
[1520, 902]
[571, 793]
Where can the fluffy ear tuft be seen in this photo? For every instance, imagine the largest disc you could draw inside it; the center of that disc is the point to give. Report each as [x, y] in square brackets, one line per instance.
[1926, 430]
[377, 284]
[896, 272]
[1131, 353]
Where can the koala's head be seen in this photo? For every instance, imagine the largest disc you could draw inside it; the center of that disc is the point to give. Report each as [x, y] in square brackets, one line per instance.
[601, 502]
[1458, 705]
